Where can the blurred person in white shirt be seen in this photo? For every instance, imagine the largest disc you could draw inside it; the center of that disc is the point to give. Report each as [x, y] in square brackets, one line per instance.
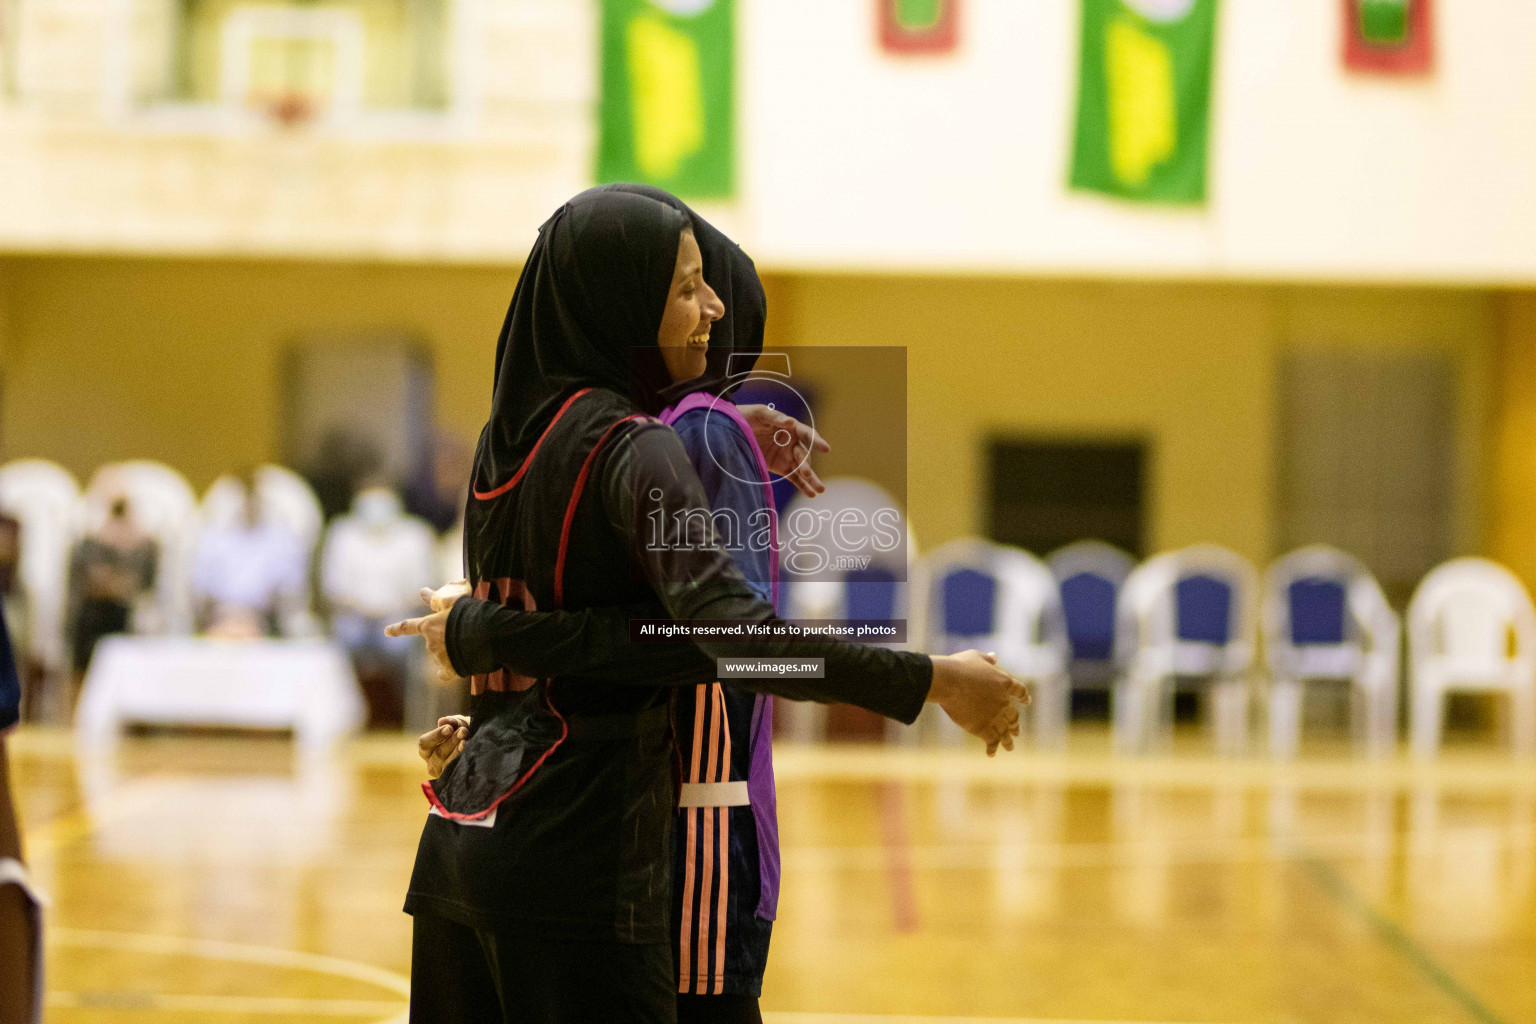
[375, 562]
[249, 575]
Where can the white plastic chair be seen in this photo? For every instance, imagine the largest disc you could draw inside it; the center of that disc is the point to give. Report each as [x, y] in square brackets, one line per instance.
[997, 598]
[284, 496]
[1326, 618]
[42, 496]
[1185, 614]
[1089, 574]
[163, 505]
[1460, 623]
[881, 589]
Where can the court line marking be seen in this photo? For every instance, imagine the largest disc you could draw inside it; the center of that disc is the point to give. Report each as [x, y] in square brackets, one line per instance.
[212, 949]
[897, 844]
[161, 1002]
[784, 1017]
[1114, 853]
[1451, 772]
[1394, 936]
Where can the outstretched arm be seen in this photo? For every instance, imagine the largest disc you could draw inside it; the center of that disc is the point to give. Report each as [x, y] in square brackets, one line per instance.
[466, 636]
[695, 580]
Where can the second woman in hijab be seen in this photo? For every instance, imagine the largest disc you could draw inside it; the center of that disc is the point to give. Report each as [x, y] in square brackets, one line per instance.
[541, 885]
[725, 839]
[725, 854]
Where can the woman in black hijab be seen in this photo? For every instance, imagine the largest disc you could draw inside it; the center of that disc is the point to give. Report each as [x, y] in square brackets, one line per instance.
[541, 890]
[725, 837]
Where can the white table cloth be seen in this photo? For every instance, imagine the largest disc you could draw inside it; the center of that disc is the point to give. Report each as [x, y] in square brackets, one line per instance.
[304, 685]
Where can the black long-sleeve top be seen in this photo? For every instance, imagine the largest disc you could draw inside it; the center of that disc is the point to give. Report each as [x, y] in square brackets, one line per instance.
[581, 851]
[693, 579]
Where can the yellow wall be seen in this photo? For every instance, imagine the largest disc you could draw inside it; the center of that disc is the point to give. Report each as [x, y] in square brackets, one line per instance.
[1191, 368]
[107, 359]
[178, 360]
[1513, 539]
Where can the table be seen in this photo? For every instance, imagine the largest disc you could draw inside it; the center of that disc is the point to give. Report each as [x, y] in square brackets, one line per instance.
[304, 685]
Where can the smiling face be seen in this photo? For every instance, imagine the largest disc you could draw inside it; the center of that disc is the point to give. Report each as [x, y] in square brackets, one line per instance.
[692, 306]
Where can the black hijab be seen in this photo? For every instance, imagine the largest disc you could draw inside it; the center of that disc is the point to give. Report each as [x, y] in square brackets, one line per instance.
[594, 287]
[733, 276]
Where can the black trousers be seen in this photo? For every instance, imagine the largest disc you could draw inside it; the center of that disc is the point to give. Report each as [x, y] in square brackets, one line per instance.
[462, 975]
[721, 1009]
[96, 618]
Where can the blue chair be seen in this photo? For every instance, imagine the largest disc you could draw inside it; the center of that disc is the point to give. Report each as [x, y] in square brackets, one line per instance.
[868, 583]
[1185, 616]
[1326, 618]
[996, 598]
[1089, 575]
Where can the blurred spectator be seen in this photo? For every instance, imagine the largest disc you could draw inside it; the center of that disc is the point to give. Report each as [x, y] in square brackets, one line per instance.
[375, 562]
[344, 461]
[438, 495]
[20, 924]
[10, 555]
[13, 603]
[111, 570]
[12, 596]
[248, 576]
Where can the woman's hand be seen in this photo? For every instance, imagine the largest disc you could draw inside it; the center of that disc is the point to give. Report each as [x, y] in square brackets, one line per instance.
[434, 630]
[978, 696]
[441, 599]
[440, 746]
[786, 443]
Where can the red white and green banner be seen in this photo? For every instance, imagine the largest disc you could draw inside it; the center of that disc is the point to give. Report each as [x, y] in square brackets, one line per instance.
[1388, 36]
[919, 26]
[666, 115]
[1144, 99]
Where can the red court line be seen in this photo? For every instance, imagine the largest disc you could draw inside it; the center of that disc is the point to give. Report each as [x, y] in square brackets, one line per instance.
[897, 840]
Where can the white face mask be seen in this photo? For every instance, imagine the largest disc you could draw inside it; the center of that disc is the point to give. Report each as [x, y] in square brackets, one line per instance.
[376, 506]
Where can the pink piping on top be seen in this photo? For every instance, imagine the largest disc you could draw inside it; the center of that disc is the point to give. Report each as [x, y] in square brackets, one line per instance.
[714, 403]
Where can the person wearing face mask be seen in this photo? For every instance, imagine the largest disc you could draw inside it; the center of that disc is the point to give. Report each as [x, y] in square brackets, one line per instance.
[374, 561]
[541, 887]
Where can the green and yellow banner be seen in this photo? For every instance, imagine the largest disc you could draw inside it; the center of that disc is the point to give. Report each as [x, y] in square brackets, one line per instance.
[1144, 99]
[667, 112]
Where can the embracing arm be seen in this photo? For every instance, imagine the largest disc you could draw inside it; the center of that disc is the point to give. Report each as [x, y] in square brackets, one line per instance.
[483, 636]
[695, 580]
[595, 643]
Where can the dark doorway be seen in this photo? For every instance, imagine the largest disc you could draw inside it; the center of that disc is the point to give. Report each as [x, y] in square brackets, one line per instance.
[1048, 492]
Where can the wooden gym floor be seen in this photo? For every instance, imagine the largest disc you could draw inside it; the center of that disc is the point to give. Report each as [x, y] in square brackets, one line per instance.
[215, 879]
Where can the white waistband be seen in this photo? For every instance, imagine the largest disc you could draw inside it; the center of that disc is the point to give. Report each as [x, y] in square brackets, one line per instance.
[14, 872]
[714, 794]
[489, 821]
